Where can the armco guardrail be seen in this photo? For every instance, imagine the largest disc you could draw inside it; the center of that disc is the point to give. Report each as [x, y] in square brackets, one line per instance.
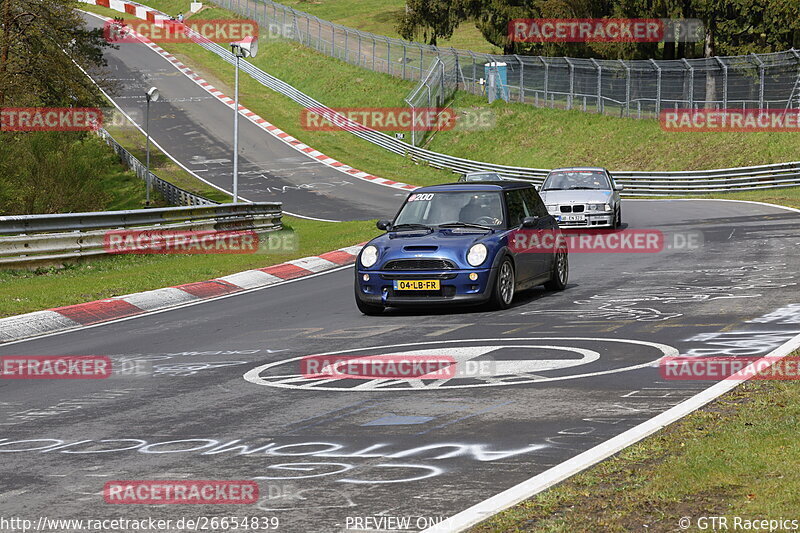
[637, 183]
[173, 194]
[28, 240]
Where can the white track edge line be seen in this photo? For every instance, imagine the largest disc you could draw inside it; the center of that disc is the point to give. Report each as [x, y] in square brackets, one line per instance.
[538, 483]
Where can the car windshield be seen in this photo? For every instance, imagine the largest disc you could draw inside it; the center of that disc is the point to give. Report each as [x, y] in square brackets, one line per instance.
[576, 179]
[437, 208]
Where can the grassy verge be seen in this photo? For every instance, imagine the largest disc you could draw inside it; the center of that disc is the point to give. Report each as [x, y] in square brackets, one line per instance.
[735, 457]
[23, 291]
[521, 135]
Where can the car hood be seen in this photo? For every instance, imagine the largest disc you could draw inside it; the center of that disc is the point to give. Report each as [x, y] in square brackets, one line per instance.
[438, 244]
[580, 196]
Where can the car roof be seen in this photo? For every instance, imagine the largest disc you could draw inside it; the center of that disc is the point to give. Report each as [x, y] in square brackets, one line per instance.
[475, 186]
[600, 169]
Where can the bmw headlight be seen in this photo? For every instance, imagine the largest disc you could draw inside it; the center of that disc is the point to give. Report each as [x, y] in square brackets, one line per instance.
[598, 207]
[552, 208]
[477, 254]
[369, 256]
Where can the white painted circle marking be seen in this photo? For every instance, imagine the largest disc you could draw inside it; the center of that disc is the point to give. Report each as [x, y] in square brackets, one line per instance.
[521, 371]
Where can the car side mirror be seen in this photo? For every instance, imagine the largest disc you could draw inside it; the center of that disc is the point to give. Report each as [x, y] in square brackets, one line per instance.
[619, 187]
[384, 225]
[530, 222]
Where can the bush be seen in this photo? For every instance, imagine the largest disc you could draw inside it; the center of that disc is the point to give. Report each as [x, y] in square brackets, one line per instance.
[56, 172]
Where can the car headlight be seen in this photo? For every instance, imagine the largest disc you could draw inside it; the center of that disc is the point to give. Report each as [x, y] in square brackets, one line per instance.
[477, 254]
[552, 208]
[598, 207]
[369, 256]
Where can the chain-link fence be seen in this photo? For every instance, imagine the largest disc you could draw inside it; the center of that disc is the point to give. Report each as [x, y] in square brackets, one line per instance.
[640, 88]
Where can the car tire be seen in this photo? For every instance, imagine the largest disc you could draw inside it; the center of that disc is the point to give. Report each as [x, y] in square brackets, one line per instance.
[618, 218]
[367, 308]
[560, 275]
[504, 285]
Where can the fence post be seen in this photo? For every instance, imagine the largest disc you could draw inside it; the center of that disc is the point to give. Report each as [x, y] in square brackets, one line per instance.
[346, 49]
[388, 56]
[599, 85]
[724, 82]
[627, 88]
[333, 40]
[421, 62]
[760, 81]
[359, 49]
[404, 60]
[373, 53]
[571, 82]
[546, 77]
[475, 76]
[691, 82]
[658, 87]
[521, 79]
[796, 83]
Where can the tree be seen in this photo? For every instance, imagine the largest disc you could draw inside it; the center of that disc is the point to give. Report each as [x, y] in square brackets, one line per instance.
[433, 19]
[38, 43]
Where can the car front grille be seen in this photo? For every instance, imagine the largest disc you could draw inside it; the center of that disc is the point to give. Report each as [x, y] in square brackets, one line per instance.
[419, 264]
[578, 208]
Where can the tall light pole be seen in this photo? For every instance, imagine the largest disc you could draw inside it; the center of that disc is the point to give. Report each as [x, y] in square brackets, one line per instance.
[247, 47]
[152, 96]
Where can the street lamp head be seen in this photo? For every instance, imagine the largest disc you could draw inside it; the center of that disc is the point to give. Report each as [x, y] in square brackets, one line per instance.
[152, 94]
[247, 47]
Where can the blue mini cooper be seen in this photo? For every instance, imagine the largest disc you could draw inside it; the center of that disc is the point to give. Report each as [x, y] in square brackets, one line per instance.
[463, 243]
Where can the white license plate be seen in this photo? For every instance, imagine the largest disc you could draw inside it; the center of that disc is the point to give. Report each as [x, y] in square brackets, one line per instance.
[572, 218]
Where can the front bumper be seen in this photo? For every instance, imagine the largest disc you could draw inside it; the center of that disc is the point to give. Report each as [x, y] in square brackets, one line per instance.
[455, 287]
[590, 220]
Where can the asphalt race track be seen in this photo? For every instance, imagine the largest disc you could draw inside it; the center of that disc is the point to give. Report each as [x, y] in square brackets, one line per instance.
[217, 393]
[197, 129]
